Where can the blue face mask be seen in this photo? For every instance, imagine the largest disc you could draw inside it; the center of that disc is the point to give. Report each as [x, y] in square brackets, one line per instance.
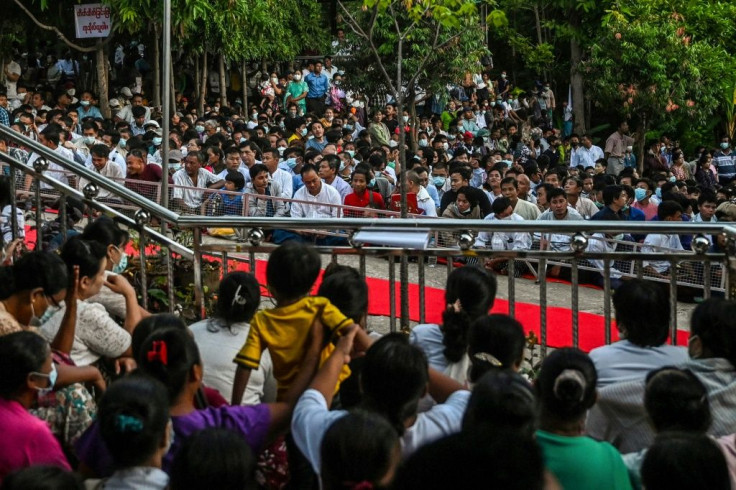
[673, 179]
[724, 145]
[640, 194]
[123, 143]
[243, 140]
[438, 181]
[52, 380]
[157, 141]
[372, 183]
[291, 162]
[350, 152]
[658, 192]
[304, 132]
[342, 166]
[349, 127]
[120, 267]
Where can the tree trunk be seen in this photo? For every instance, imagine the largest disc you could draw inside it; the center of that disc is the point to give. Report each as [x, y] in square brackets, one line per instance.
[223, 85]
[641, 133]
[157, 65]
[102, 84]
[203, 86]
[244, 83]
[576, 81]
[197, 76]
[172, 86]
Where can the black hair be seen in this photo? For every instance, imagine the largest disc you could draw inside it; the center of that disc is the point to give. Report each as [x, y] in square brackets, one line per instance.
[675, 399]
[470, 196]
[394, 378]
[465, 172]
[132, 416]
[33, 270]
[238, 298]
[21, 353]
[501, 401]
[150, 324]
[611, 193]
[684, 461]
[308, 167]
[475, 289]
[357, 448]
[87, 254]
[494, 342]
[236, 178]
[634, 297]
[474, 460]
[106, 231]
[510, 180]
[555, 192]
[42, 477]
[292, 269]
[667, 209]
[173, 368]
[100, 151]
[346, 289]
[566, 384]
[213, 458]
[257, 169]
[503, 205]
[714, 322]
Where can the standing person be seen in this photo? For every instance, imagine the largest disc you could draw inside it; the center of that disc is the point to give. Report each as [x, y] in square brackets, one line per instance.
[586, 155]
[616, 148]
[705, 175]
[317, 83]
[296, 93]
[566, 390]
[28, 371]
[724, 160]
[220, 337]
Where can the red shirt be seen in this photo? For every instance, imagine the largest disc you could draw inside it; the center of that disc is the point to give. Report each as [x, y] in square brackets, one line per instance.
[151, 173]
[362, 201]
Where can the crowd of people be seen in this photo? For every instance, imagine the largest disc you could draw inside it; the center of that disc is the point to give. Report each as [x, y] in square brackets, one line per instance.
[301, 395]
[99, 393]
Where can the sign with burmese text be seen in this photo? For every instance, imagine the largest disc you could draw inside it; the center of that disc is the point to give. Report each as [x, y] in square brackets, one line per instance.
[92, 20]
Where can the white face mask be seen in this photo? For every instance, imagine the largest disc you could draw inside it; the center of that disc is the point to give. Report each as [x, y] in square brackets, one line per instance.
[297, 78]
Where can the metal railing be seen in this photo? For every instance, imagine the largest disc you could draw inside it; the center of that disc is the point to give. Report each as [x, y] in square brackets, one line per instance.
[364, 237]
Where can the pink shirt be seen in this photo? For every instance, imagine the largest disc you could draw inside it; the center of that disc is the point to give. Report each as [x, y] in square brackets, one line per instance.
[27, 440]
[650, 210]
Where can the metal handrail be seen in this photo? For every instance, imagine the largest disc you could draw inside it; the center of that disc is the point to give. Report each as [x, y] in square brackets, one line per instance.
[87, 174]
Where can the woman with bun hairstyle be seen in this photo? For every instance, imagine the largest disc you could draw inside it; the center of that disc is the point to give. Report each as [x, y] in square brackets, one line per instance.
[566, 388]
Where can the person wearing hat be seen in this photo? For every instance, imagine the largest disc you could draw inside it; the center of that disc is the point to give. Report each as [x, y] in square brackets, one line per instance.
[12, 75]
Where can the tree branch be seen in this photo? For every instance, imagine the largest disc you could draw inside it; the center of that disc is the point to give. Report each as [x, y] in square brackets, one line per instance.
[60, 35]
[431, 52]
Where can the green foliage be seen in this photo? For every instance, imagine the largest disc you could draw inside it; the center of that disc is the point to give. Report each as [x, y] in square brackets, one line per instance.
[646, 64]
[436, 40]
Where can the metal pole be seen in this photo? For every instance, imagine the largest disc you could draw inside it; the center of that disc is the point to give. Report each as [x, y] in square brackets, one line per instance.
[144, 282]
[392, 293]
[673, 302]
[706, 279]
[39, 217]
[607, 300]
[165, 122]
[511, 264]
[13, 204]
[543, 305]
[198, 290]
[170, 279]
[421, 282]
[575, 307]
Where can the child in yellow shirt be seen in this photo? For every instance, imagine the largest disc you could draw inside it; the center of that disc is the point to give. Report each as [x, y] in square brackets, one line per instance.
[291, 272]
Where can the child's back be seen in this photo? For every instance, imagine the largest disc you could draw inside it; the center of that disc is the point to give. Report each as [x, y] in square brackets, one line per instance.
[284, 331]
[291, 272]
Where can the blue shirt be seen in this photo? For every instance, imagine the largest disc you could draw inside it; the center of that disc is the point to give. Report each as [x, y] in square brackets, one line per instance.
[92, 111]
[725, 164]
[432, 191]
[317, 84]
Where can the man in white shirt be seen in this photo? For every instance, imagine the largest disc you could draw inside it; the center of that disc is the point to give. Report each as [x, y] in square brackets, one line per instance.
[271, 161]
[503, 240]
[424, 201]
[321, 201]
[328, 168]
[660, 242]
[193, 175]
[50, 138]
[101, 163]
[573, 189]
[586, 155]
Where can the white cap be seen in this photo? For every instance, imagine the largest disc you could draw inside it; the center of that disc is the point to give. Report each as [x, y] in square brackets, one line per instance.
[152, 123]
[125, 92]
[13, 67]
[114, 103]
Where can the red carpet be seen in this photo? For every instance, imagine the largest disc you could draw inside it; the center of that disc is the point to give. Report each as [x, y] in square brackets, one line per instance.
[559, 320]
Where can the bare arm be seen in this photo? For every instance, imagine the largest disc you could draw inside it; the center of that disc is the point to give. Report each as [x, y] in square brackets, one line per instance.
[120, 285]
[242, 375]
[64, 338]
[441, 386]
